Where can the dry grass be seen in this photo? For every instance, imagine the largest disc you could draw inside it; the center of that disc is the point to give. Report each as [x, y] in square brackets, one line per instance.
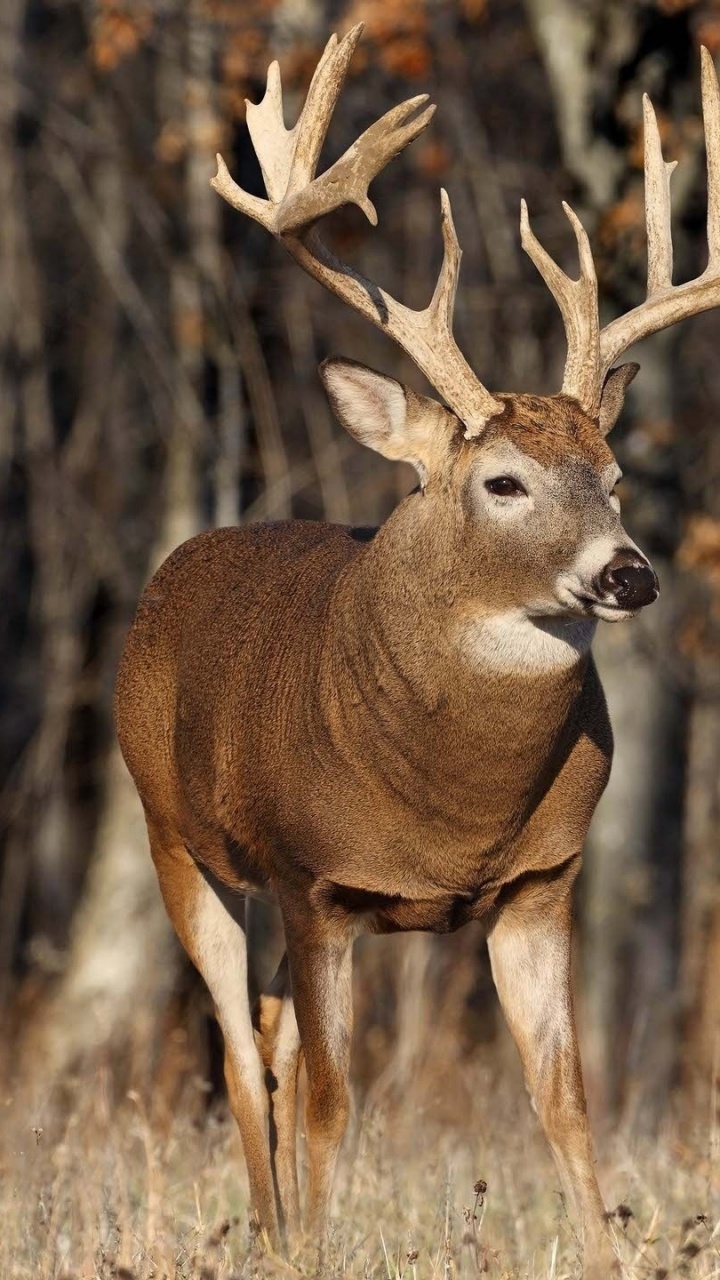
[109, 1194]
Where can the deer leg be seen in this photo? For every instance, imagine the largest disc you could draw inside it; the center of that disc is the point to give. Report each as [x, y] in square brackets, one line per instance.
[279, 1044]
[530, 956]
[210, 923]
[321, 969]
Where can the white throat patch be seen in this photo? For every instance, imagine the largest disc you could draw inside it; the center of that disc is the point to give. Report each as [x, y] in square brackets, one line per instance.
[513, 642]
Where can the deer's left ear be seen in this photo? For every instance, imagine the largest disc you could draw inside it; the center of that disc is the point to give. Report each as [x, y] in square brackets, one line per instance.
[613, 395]
[388, 417]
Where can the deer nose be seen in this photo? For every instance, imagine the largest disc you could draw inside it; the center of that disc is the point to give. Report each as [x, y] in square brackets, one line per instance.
[630, 579]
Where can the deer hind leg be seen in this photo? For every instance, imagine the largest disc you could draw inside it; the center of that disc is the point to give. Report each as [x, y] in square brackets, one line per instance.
[279, 1044]
[530, 956]
[210, 923]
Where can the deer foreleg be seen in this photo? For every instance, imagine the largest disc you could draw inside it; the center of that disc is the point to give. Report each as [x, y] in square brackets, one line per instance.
[530, 956]
[321, 968]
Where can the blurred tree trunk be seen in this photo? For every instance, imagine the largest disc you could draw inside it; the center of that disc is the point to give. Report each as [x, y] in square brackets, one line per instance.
[39, 872]
[124, 957]
[15, 864]
[701, 914]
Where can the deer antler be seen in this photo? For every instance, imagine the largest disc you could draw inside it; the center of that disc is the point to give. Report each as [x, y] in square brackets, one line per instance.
[578, 303]
[592, 351]
[665, 304]
[297, 199]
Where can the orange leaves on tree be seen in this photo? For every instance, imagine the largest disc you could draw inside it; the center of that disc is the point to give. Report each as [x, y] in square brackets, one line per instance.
[698, 636]
[246, 51]
[232, 14]
[118, 31]
[675, 6]
[408, 56]
[699, 550]
[432, 158]
[399, 29]
[623, 225]
[708, 32]
[473, 10]
[189, 329]
[396, 38]
[172, 141]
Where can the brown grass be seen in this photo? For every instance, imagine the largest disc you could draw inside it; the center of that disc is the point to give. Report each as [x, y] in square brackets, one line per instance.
[109, 1193]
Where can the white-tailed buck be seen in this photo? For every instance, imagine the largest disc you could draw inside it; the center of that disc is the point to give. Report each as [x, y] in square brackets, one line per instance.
[403, 731]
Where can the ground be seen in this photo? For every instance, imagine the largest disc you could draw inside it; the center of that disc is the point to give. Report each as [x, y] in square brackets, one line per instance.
[452, 1179]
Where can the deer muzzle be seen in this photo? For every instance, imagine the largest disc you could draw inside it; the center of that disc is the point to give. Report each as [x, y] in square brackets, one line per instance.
[629, 580]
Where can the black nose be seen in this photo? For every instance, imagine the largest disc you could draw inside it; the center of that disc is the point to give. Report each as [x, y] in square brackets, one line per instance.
[630, 579]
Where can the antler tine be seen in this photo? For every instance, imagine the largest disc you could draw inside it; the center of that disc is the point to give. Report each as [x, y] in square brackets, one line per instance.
[273, 143]
[441, 309]
[657, 205]
[325, 89]
[262, 211]
[442, 305]
[711, 119]
[578, 303]
[667, 303]
[297, 200]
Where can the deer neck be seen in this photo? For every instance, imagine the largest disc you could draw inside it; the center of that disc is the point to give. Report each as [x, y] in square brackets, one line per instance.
[420, 641]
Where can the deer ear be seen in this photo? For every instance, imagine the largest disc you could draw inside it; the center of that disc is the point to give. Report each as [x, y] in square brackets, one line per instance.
[382, 414]
[613, 395]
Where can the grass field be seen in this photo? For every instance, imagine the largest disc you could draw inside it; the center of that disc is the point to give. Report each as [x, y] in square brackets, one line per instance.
[111, 1192]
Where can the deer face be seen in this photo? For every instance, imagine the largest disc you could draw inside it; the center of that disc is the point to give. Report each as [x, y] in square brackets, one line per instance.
[542, 511]
[531, 501]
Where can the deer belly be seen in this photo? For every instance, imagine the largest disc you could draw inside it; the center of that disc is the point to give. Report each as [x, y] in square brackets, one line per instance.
[392, 913]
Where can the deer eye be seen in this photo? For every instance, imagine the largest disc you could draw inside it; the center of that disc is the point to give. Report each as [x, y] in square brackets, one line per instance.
[505, 487]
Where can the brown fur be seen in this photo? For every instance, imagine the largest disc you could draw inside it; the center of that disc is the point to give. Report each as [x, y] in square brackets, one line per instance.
[550, 429]
[297, 716]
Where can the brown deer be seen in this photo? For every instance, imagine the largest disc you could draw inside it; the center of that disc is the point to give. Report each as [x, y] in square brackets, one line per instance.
[405, 730]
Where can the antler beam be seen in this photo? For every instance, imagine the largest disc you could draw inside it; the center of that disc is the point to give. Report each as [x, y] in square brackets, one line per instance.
[297, 200]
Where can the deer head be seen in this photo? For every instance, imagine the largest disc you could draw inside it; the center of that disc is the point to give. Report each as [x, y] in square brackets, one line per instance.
[528, 505]
[529, 481]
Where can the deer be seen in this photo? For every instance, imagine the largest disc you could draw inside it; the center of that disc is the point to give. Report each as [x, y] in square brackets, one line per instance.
[404, 728]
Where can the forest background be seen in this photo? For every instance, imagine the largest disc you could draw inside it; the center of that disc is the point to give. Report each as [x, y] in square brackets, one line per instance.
[158, 360]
